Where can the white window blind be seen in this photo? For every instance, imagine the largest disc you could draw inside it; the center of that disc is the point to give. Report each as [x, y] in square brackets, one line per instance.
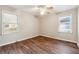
[65, 24]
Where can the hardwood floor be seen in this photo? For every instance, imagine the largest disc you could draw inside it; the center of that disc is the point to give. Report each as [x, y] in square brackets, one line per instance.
[40, 45]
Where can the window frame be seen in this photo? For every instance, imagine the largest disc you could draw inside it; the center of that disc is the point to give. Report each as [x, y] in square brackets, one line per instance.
[4, 24]
[60, 18]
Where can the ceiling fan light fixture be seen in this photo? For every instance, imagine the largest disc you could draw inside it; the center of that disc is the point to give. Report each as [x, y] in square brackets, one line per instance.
[42, 12]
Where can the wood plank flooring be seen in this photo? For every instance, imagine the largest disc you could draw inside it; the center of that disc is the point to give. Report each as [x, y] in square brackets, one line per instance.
[40, 45]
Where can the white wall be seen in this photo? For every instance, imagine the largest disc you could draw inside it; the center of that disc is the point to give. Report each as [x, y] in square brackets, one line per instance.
[0, 23]
[78, 27]
[50, 24]
[28, 28]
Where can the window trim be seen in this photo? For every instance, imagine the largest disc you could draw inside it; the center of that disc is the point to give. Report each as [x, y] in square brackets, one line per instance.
[60, 24]
[3, 24]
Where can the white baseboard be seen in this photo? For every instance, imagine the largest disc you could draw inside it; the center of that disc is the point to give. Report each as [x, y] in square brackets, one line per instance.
[7, 43]
[60, 39]
[17, 40]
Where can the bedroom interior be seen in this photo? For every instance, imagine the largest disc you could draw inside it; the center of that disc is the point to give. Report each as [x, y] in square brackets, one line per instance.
[39, 29]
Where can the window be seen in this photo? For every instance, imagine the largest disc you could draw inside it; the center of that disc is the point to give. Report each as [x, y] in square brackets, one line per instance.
[65, 24]
[9, 23]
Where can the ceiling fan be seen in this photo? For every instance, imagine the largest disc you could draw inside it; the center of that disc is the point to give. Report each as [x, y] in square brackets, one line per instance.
[44, 9]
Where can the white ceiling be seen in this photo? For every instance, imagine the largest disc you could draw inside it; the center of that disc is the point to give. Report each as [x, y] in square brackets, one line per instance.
[31, 8]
